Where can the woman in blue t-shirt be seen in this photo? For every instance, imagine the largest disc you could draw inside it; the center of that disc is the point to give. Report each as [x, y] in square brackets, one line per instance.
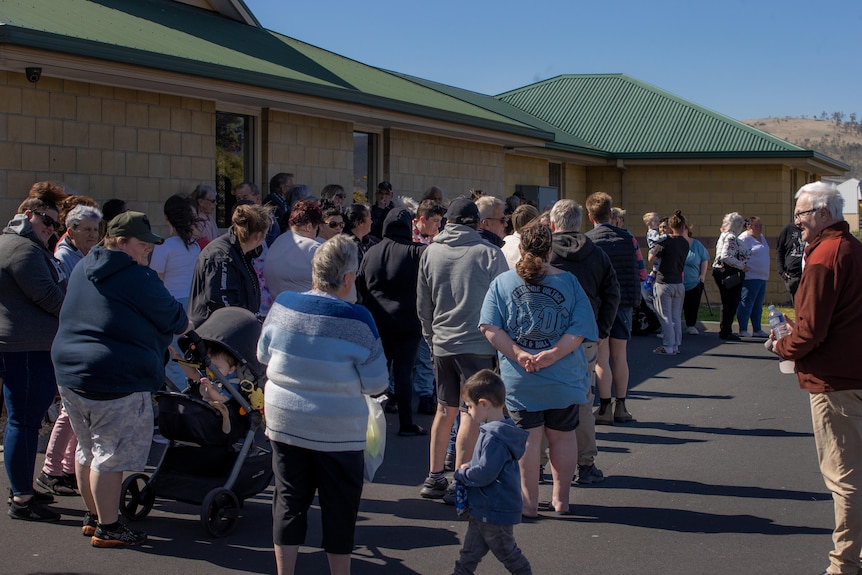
[537, 316]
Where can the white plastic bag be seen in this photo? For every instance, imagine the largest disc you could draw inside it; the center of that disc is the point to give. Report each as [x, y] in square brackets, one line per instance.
[375, 438]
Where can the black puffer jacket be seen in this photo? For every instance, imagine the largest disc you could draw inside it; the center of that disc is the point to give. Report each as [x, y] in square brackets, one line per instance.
[620, 247]
[386, 284]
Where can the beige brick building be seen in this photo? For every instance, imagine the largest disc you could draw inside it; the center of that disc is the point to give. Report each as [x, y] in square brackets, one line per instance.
[141, 104]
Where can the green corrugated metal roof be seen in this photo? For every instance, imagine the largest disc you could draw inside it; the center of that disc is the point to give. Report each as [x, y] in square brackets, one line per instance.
[168, 35]
[563, 140]
[621, 115]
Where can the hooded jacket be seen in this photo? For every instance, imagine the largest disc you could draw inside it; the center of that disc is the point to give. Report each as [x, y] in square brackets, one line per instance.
[455, 272]
[826, 334]
[67, 255]
[224, 277]
[574, 252]
[116, 323]
[493, 479]
[387, 277]
[32, 288]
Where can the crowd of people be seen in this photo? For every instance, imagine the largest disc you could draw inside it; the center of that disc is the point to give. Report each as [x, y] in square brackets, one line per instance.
[504, 321]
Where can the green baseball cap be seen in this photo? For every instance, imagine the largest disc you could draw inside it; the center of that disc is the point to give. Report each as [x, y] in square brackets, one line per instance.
[133, 225]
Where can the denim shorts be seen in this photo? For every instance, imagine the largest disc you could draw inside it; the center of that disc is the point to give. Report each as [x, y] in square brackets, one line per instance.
[114, 434]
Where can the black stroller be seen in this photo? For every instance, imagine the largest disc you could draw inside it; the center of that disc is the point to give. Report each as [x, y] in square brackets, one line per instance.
[202, 464]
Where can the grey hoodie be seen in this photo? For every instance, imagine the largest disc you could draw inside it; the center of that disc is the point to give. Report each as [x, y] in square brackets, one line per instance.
[32, 288]
[455, 272]
[577, 254]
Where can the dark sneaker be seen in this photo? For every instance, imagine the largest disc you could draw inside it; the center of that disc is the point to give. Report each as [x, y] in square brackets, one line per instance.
[56, 484]
[412, 430]
[38, 497]
[121, 536]
[88, 529]
[589, 474]
[449, 497]
[434, 488]
[32, 511]
[71, 480]
[427, 405]
[449, 462]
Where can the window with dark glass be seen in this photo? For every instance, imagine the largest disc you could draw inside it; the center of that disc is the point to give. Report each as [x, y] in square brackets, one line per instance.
[364, 165]
[233, 160]
[554, 175]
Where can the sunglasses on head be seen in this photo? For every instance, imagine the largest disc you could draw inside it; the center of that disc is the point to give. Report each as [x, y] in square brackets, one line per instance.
[48, 220]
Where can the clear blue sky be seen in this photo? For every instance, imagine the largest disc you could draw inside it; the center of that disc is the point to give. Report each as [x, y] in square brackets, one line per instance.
[744, 58]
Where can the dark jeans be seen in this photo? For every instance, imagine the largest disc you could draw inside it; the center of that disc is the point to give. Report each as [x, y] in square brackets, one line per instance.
[401, 350]
[792, 285]
[691, 304]
[499, 540]
[729, 302]
[29, 387]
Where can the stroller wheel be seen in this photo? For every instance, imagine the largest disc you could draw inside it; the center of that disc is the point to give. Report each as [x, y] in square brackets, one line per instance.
[219, 511]
[136, 497]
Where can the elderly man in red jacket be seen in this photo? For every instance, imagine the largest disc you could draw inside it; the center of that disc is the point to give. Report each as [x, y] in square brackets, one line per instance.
[823, 342]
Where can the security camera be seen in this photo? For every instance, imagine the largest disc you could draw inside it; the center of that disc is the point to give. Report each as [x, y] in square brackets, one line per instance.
[34, 74]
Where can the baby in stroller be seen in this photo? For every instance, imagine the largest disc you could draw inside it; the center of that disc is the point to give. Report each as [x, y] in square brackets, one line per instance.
[221, 365]
[213, 458]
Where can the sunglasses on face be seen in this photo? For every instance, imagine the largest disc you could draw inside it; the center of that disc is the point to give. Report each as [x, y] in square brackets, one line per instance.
[48, 220]
[334, 225]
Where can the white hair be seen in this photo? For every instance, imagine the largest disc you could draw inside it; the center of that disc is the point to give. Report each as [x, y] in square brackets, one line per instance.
[567, 215]
[335, 257]
[823, 195]
[733, 223]
[487, 206]
[80, 213]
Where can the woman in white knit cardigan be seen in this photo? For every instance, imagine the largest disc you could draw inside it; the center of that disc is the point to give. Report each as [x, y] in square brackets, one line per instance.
[322, 355]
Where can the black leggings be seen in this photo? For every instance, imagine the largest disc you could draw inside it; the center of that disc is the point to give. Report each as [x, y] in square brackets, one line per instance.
[691, 304]
[729, 302]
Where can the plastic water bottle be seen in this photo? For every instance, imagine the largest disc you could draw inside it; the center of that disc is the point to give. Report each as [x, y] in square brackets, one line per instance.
[777, 323]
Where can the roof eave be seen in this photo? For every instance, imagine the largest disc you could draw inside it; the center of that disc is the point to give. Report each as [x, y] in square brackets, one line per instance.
[810, 159]
[11, 35]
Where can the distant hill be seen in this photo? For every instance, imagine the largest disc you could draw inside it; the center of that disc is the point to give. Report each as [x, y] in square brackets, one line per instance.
[838, 138]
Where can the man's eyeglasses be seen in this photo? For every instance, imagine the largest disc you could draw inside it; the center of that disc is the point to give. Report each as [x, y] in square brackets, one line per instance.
[48, 220]
[210, 200]
[334, 225]
[798, 215]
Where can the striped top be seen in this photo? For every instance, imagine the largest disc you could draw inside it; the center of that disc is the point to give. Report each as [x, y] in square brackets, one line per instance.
[322, 355]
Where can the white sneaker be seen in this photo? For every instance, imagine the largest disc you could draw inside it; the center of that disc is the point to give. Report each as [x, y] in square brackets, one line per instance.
[744, 334]
[659, 334]
[760, 333]
[692, 331]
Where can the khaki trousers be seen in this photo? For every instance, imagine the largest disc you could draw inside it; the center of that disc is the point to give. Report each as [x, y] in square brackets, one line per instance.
[837, 420]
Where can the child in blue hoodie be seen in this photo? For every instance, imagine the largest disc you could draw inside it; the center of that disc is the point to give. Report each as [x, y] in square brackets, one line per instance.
[492, 478]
